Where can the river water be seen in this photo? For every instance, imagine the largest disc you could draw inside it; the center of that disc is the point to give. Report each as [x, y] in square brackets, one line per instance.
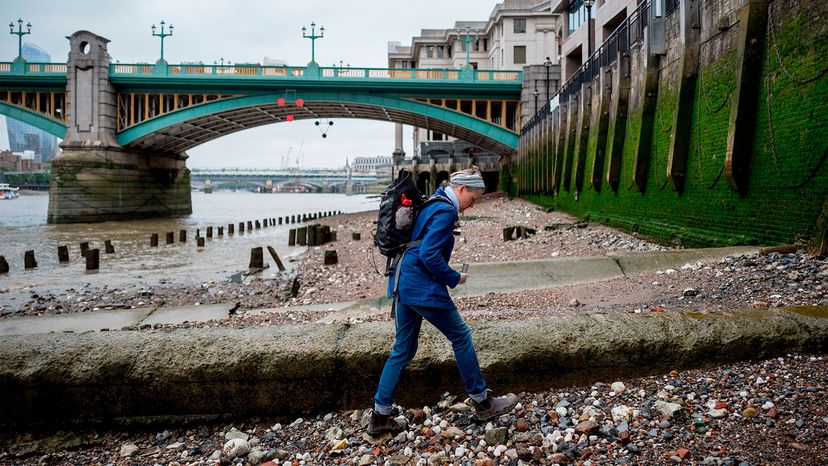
[23, 227]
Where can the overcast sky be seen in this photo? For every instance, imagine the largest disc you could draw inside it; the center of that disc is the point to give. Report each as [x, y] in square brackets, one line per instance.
[356, 31]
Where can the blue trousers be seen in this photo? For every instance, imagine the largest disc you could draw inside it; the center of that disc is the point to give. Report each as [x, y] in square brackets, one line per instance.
[448, 321]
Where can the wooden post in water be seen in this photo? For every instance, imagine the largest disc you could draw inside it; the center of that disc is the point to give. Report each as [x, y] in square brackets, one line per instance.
[256, 258]
[63, 253]
[292, 237]
[230, 227]
[4, 266]
[241, 227]
[154, 240]
[276, 258]
[198, 232]
[302, 236]
[220, 231]
[182, 236]
[200, 241]
[209, 232]
[356, 236]
[249, 225]
[29, 261]
[258, 225]
[170, 237]
[312, 235]
[330, 257]
[84, 247]
[280, 220]
[108, 247]
[93, 257]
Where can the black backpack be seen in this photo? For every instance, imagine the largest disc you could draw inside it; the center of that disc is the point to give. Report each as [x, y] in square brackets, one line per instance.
[399, 204]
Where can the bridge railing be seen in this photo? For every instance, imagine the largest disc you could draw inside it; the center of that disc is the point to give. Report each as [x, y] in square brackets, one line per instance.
[252, 70]
[36, 68]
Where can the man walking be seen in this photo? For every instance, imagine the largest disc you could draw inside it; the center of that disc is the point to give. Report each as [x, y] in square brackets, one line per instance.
[424, 279]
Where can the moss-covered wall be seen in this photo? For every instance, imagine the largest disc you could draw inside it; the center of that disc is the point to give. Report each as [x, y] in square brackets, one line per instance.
[788, 184]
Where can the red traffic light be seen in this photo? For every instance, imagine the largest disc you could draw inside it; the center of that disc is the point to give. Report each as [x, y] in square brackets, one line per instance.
[300, 102]
[290, 118]
[280, 102]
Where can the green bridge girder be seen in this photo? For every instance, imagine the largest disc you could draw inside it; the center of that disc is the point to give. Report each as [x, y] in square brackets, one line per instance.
[366, 93]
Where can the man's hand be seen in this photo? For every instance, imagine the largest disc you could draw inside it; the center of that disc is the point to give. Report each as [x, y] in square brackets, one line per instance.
[463, 277]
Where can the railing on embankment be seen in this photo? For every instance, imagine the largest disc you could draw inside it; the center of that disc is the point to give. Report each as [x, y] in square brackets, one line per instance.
[720, 137]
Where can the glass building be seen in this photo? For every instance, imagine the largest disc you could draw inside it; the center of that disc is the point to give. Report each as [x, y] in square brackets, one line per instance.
[26, 137]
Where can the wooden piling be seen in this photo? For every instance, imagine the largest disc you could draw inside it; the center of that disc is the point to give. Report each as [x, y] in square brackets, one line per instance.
[249, 225]
[258, 225]
[256, 258]
[63, 254]
[302, 236]
[330, 257]
[292, 237]
[220, 232]
[230, 227]
[93, 257]
[84, 247]
[356, 236]
[209, 232]
[182, 236]
[276, 258]
[108, 247]
[170, 237]
[313, 231]
[507, 233]
[331, 235]
[241, 227]
[280, 220]
[200, 241]
[29, 261]
[4, 266]
[154, 240]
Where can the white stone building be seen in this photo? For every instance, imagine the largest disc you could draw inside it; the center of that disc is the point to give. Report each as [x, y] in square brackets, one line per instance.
[518, 33]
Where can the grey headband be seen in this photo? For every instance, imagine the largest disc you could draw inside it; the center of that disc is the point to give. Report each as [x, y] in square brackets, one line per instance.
[473, 181]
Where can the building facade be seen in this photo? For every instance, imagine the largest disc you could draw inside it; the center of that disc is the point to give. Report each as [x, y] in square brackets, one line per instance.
[23, 137]
[379, 164]
[599, 22]
[517, 34]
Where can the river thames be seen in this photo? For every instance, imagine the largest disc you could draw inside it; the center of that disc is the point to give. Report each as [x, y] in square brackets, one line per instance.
[24, 227]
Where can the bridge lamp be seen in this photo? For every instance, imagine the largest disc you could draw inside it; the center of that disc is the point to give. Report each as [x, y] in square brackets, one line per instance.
[536, 94]
[162, 35]
[312, 36]
[547, 64]
[20, 33]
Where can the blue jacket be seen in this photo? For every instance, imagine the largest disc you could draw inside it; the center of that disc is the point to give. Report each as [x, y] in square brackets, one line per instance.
[425, 275]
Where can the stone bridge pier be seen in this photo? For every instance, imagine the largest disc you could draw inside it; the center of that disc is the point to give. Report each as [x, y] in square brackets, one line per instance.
[96, 179]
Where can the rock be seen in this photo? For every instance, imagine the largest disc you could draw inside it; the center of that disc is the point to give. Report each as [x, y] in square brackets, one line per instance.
[497, 436]
[574, 302]
[459, 408]
[559, 458]
[399, 460]
[365, 460]
[175, 446]
[255, 457]
[618, 387]
[689, 292]
[521, 425]
[622, 413]
[717, 413]
[586, 427]
[749, 412]
[235, 433]
[417, 416]
[682, 453]
[668, 410]
[128, 450]
[376, 441]
[339, 445]
[499, 450]
[235, 448]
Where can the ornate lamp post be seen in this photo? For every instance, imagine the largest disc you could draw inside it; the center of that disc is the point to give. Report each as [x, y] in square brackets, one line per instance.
[588, 4]
[20, 33]
[547, 64]
[313, 38]
[471, 34]
[162, 35]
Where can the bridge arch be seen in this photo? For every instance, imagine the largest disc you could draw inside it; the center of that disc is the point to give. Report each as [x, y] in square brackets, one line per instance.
[35, 119]
[183, 129]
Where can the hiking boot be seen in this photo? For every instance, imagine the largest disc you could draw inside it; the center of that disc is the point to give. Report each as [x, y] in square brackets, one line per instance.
[381, 424]
[493, 407]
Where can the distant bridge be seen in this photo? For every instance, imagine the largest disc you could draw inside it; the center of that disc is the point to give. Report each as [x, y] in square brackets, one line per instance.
[287, 179]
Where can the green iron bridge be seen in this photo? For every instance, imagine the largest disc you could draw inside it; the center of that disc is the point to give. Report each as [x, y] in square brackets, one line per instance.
[127, 127]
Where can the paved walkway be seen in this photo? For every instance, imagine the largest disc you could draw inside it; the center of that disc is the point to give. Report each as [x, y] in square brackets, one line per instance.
[485, 278]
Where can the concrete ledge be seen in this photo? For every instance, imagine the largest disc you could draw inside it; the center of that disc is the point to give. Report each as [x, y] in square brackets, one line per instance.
[314, 368]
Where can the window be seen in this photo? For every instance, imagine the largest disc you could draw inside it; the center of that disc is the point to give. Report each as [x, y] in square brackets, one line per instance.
[430, 51]
[520, 25]
[439, 52]
[577, 15]
[520, 54]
